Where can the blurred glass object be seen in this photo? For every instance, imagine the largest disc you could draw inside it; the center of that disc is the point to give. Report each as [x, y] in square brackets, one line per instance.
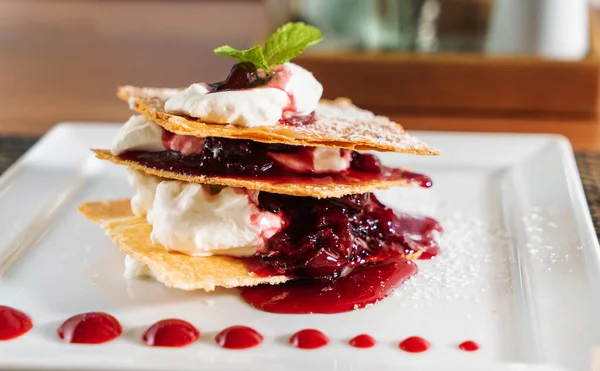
[408, 25]
[556, 29]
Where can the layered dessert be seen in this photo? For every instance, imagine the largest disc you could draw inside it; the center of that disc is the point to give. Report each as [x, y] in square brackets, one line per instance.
[256, 182]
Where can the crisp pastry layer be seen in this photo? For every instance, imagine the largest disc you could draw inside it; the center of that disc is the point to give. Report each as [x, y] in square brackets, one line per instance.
[297, 188]
[132, 235]
[338, 124]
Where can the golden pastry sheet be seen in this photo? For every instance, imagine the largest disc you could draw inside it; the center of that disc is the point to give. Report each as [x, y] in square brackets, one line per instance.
[132, 235]
[293, 189]
[339, 124]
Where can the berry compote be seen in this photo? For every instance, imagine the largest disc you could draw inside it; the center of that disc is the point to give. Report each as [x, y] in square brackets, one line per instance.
[246, 159]
[346, 253]
[327, 238]
[242, 76]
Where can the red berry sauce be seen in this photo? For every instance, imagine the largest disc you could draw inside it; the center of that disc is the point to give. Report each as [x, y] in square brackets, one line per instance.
[363, 341]
[241, 76]
[414, 344]
[13, 323]
[90, 328]
[238, 337]
[468, 346]
[246, 159]
[309, 339]
[327, 238]
[349, 251]
[170, 333]
[363, 286]
[298, 120]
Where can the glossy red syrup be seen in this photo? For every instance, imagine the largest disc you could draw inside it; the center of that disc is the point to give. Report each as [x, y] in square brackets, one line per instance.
[13, 323]
[238, 337]
[364, 285]
[362, 341]
[170, 333]
[245, 159]
[430, 253]
[298, 120]
[309, 339]
[328, 238]
[414, 344]
[241, 76]
[468, 346]
[90, 328]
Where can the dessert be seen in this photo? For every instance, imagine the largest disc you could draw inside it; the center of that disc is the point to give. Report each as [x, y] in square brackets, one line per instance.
[255, 181]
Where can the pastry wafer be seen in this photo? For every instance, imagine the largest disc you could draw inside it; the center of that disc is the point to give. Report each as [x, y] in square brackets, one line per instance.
[338, 124]
[297, 188]
[132, 235]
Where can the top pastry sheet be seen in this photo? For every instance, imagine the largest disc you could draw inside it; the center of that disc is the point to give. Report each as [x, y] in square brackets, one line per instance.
[338, 124]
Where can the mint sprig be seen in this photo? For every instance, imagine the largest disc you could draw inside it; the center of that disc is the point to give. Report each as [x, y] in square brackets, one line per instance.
[285, 44]
[254, 55]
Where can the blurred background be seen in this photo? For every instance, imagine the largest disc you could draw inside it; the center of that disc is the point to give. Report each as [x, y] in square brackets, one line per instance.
[475, 65]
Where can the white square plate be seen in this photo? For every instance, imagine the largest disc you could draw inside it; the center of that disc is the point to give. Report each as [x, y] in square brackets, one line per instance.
[519, 270]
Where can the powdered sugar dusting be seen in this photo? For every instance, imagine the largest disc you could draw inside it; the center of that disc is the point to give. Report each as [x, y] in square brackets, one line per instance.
[132, 92]
[544, 244]
[342, 119]
[469, 248]
[338, 123]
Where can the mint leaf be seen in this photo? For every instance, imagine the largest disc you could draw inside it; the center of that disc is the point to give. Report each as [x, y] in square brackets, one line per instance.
[253, 55]
[289, 41]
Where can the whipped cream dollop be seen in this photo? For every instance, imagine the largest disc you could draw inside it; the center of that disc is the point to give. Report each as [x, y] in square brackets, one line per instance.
[201, 220]
[292, 90]
[138, 134]
[321, 160]
[326, 160]
[136, 269]
[144, 186]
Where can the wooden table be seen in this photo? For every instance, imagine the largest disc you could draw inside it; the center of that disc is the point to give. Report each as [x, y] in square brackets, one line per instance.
[583, 134]
[62, 60]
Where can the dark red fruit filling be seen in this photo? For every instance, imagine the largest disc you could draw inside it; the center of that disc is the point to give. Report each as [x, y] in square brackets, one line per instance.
[247, 159]
[242, 76]
[298, 120]
[326, 238]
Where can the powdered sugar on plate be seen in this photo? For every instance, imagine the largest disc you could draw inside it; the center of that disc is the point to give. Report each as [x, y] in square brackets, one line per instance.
[469, 248]
[544, 244]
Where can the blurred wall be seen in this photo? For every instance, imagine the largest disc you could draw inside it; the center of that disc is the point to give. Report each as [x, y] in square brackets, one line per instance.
[63, 59]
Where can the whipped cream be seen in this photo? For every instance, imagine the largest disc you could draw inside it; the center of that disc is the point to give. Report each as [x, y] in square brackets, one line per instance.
[327, 160]
[144, 186]
[321, 160]
[192, 219]
[293, 90]
[136, 269]
[302, 87]
[138, 134]
[249, 108]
